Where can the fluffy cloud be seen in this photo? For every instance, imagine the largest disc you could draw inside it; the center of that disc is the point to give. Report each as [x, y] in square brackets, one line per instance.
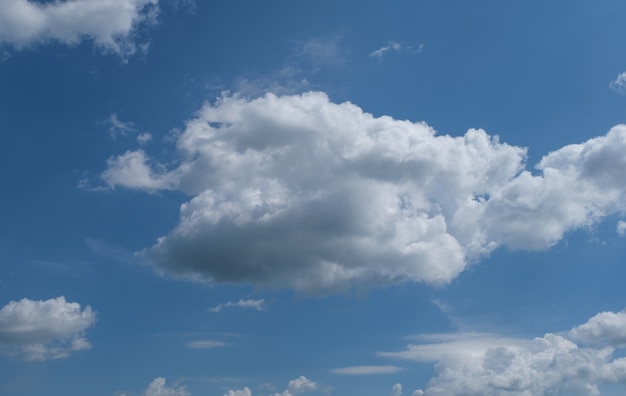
[470, 364]
[296, 386]
[110, 24]
[158, 388]
[244, 392]
[41, 330]
[259, 305]
[396, 390]
[297, 191]
[367, 370]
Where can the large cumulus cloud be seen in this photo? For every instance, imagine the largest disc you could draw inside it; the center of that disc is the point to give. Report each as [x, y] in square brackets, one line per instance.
[301, 192]
[110, 24]
[576, 362]
[41, 330]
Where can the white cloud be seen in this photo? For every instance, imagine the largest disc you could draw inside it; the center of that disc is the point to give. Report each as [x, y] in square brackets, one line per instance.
[604, 328]
[297, 191]
[205, 344]
[299, 385]
[110, 24]
[41, 330]
[619, 84]
[621, 228]
[118, 127]
[158, 388]
[396, 47]
[259, 305]
[244, 392]
[553, 364]
[418, 392]
[144, 138]
[396, 390]
[367, 370]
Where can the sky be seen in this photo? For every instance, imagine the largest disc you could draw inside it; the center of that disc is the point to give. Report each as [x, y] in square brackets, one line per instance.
[280, 198]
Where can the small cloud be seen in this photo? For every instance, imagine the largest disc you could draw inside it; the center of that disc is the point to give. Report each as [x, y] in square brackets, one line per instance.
[118, 127]
[243, 392]
[144, 138]
[418, 392]
[158, 388]
[259, 305]
[321, 52]
[367, 370]
[396, 390]
[205, 344]
[43, 330]
[396, 47]
[621, 228]
[619, 84]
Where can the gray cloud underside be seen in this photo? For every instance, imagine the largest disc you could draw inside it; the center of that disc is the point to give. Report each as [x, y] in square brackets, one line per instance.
[297, 191]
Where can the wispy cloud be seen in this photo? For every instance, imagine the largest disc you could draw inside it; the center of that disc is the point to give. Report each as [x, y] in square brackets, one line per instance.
[619, 84]
[205, 344]
[396, 47]
[259, 305]
[367, 370]
[119, 128]
[621, 228]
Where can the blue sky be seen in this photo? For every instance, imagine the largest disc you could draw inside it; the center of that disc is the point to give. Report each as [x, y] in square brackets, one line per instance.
[319, 198]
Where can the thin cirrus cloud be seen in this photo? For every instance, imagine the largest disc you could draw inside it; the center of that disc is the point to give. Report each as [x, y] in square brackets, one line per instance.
[394, 46]
[205, 344]
[109, 24]
[43, 330]
[299, 192]
[367, 370]
[259, 305]
[575, 362]
[619, 84]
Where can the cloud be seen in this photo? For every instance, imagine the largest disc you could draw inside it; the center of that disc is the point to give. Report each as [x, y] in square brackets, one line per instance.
[320, 53]
[118, 127]
[259, 305]
[471, 364]
[244, 392]
[121, 128]
[299, 192]
[42, 330]
[619, 84]
[621, 228]
[296, 386]
[396, 390]
[396, 47]
[205, 344]
[299, 385]
[367, 370]
[158, 388]
[109, 24]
